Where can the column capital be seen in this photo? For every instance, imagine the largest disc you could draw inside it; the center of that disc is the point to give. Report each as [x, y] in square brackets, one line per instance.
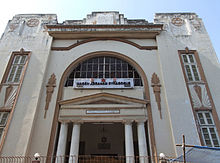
[79, 122]
[127, 121]
[64, 121]
[139, 121]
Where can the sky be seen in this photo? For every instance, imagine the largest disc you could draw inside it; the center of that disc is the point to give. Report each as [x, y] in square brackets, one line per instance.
[208, 10]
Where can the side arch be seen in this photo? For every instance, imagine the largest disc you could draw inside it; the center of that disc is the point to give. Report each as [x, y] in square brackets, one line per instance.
[146, 96]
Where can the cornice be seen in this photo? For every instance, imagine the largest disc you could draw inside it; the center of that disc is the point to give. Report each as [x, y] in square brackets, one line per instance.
[88, 31]
[106, 26]
[108, 95]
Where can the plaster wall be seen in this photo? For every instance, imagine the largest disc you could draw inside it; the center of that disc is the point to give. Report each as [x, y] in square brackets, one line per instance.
[30, 39]
[60, 60]
[29, 131]
[192, 34]
[176, 96]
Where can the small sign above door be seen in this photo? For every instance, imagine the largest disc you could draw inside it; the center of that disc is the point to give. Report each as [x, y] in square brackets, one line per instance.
[102, 112]
[103, 83]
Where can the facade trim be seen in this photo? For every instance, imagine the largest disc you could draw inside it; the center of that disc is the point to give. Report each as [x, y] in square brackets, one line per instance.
[100, 39]
[103, 95]
[160, 26]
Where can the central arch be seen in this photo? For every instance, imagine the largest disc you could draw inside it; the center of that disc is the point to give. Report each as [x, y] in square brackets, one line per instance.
[103, 53]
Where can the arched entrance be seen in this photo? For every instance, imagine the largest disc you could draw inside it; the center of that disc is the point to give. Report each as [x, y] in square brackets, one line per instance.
[103, 105]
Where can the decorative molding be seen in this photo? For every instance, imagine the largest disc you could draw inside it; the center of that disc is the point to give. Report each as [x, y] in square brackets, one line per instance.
[66, 121]
[103, 101]
[77, 122]
[187, 50]
[200, 96]
[8, 92]
[100, 39]
[14, 23]
[155, 83]
[139, 121]
[13, 26]
[127, 121]
[197, 25]
[101, 26]
[105, 96]
[10, 95]
[177, 21]
[32, 22]
[50, 88]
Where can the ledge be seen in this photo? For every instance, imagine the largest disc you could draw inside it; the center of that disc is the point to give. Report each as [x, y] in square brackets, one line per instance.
[87, 31]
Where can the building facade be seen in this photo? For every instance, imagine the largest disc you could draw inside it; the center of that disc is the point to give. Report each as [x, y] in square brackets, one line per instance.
[107, 86]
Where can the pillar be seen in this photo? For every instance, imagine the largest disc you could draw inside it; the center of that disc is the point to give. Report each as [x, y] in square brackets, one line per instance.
[129, 146]
[74, 147]
[62, 143]
[142, 145]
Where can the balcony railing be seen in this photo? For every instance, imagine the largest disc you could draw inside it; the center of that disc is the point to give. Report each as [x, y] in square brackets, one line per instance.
[82, 159]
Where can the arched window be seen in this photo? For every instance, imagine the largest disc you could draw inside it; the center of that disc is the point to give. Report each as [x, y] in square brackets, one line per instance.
[104, 67]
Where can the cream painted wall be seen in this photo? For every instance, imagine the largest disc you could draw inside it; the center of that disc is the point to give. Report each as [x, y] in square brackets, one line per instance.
[176, 96]
[172, 39]
[38, 42]
[60, 60]
[70, 93]
[29, 131]
[26, 107]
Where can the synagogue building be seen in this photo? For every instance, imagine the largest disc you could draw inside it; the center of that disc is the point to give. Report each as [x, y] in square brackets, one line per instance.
[107, 86]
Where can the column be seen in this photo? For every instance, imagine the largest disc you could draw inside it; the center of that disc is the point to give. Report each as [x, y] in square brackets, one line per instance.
[74, 147]
[62, 143]
[142, 145]
[129, 146]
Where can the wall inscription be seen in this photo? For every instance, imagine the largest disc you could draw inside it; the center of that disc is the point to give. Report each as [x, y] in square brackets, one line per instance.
[103, 83]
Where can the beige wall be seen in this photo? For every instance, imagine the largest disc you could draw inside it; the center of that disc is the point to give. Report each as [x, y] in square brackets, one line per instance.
[191, 34]
[38, 42]
[149, 62]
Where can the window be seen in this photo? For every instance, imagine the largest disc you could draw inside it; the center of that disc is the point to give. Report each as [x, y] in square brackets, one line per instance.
[3, 121]
[104, 67]
[16, 68]
[191, 68]
[208, 129]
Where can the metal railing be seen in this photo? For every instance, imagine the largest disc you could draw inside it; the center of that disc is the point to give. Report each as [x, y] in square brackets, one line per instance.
[82, 159]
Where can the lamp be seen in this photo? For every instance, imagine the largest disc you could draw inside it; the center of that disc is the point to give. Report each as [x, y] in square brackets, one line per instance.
[162, 158]
[103, 139]
[36, 156]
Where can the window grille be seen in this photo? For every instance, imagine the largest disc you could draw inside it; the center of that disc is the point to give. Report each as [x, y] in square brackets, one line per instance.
[104, 67]
[16, 68]
[191, 68]
[208, 129]
[3, 121]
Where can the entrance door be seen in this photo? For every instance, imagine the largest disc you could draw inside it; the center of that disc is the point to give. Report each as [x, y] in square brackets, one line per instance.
[102, 142]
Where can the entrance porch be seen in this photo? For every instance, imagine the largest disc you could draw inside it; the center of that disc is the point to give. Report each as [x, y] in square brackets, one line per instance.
[102, 142]
[103, 125]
